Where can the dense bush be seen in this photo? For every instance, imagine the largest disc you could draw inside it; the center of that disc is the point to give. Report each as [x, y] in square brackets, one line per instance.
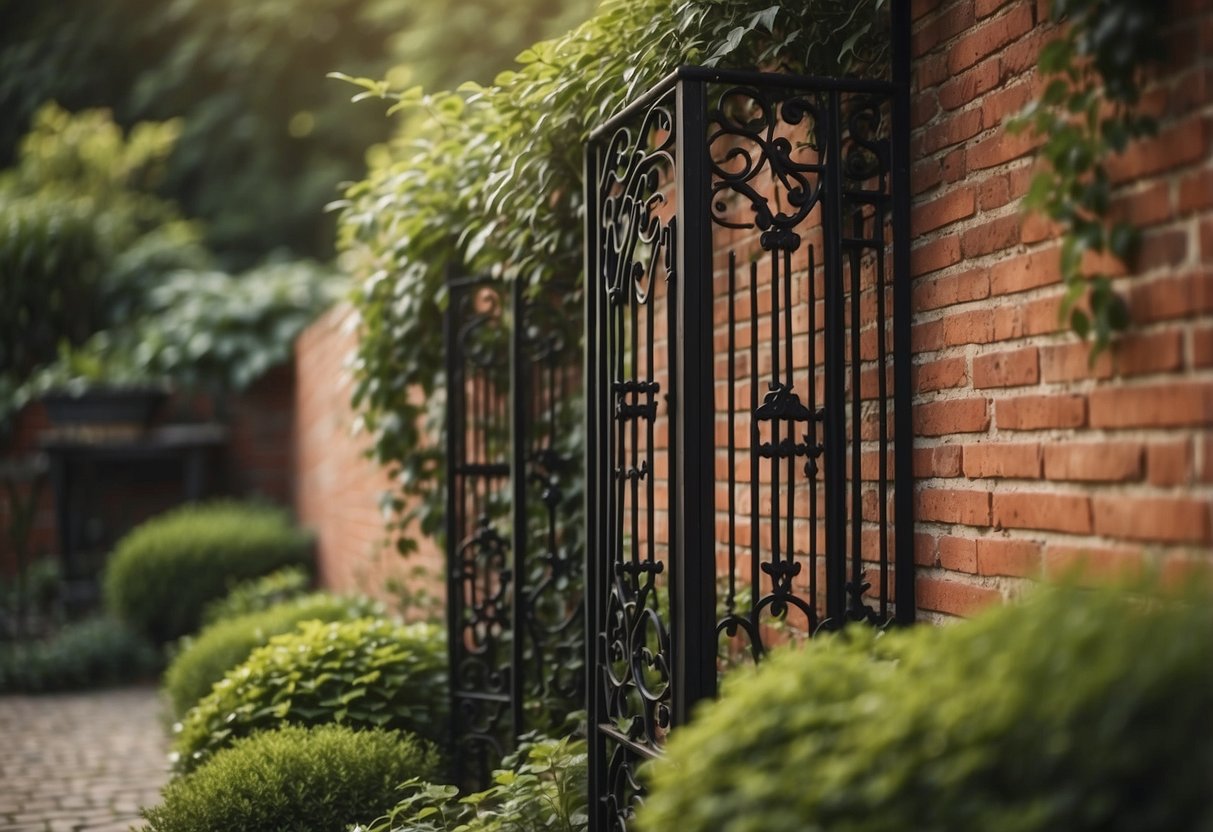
[297, 779]
[225, 644]
[364, 673]
[1076, 710]
[90, 653]
[259, 594]
[164, 572]
[541, 787]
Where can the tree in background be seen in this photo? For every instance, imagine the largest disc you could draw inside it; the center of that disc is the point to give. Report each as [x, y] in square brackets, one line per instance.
[265, 140]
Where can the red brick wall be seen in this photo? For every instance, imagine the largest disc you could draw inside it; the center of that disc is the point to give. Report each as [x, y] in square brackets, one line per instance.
[337, 488]
[1027, 460]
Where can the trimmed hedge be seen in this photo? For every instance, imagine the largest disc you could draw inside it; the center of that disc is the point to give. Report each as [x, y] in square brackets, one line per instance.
[223, 645]
[299, 779]
[1076, 710]
[259, 594]
[162, 574]
[364, 673]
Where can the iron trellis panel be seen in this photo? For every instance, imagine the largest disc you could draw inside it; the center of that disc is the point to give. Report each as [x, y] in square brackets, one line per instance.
[747, 360]
[514, 554]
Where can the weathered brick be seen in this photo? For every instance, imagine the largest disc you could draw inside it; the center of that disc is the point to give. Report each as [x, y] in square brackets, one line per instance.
[995, 235]
[939, 375]
[958, 554]
[1161, 519]
[939, 461]
[950, 290]
[974, 327]
[952, 505]
[990, 36]
[950, 130]
[1007, 556]
[953, 597]
[1042, 510]
[1153, 352]
[1094, 461]
[944, 210]
[1091, 564]
[1025, 271]
[1202, 347]
[990, 459]
[1037, 412]
[935, 255]
[1072, 361]
[1178, 144]
[951, 416]
[1169, 463]
[1172, 297]
[1009, 368]
[969, 85]
[1158, 405]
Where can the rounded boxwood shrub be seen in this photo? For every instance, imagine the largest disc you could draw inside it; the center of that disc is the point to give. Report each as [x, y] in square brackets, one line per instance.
[364, 673]
[302, 779]
[1077, 710]
[85, 654]
[203, 660]
[161, 575]
[259, 594]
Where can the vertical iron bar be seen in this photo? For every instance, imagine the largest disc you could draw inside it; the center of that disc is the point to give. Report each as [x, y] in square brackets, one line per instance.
[835, 385]
[454, 382]
[856, 267]
[788, 374]
[775, 426]
[903, 429]
[595, 707]
[519, 396]
[814, 434]
[694, 501]
[732, 382]
[755, 441]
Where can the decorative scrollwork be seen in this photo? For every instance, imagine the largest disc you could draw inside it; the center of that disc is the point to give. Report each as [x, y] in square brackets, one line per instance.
[637, 240]
[745, 142]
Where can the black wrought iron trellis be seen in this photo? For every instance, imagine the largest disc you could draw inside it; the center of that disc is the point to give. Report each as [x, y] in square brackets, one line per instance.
[514, 552]
[747, 390]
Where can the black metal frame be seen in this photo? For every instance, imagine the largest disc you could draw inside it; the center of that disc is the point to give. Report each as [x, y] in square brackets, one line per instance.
[801, 159]
[514, 596]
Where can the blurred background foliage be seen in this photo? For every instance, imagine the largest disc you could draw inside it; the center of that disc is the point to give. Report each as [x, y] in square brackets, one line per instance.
[264, 139]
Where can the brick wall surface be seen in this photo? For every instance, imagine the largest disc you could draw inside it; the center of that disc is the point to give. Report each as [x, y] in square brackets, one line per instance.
[336, 487]
[1028, 461]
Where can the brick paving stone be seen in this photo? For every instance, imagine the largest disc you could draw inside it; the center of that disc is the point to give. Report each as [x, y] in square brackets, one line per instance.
[80, 761]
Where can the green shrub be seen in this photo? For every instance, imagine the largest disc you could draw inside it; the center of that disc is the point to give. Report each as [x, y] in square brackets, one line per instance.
[218, 648]
[365, 673]
[295, 778]
[259, 594]
[90, 653]
[542, 787]
[162, 574]
[1077, 710]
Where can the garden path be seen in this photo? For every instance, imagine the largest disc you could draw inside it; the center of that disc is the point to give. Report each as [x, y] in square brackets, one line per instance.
[80, 761]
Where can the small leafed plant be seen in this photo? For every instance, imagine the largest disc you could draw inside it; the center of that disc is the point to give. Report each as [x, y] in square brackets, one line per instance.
[259, 594]
[363, 673]
[294, 778]
[85, 654]
[542, 788]
[203, 661]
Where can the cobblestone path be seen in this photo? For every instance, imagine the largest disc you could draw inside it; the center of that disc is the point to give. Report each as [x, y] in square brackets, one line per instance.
[81, 761]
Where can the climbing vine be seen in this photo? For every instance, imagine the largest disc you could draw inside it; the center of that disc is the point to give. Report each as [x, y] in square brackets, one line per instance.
[1088, 111]
[487, 180]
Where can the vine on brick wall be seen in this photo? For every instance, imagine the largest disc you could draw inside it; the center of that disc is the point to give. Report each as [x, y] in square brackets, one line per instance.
[487, 180]
[1089, 111]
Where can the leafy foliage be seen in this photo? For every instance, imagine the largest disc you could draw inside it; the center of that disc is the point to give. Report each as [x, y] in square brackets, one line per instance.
[85, 654]
[363, 673]
[301, 779]
[541, 788]
[84, 232]
[1086, 113]
[1077, 710]
[264, 139]
[226, 331]
[222, 645]
[164, 572]
[488, 180]
[258, 594]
